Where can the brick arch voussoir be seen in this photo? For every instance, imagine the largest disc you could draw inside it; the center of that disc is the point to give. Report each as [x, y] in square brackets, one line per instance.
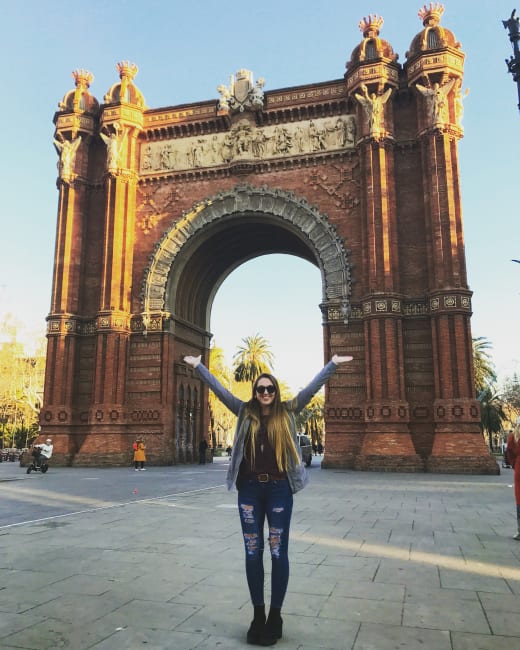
[322, 237]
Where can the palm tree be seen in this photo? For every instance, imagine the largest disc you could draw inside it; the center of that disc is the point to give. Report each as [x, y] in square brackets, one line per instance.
[484, 369]
[219, 416]
[492, 413]
[252, 359]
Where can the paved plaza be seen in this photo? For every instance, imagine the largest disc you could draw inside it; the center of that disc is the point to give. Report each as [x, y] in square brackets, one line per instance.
[117, 560]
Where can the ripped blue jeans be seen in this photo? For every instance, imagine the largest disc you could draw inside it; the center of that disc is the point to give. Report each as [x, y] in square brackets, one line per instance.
[256, 502]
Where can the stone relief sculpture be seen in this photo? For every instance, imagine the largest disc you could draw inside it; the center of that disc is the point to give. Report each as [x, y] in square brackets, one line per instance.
[246, 140]
[225, 96]
[114, 143]
[374, 109]
[436, 97]
[67, 152]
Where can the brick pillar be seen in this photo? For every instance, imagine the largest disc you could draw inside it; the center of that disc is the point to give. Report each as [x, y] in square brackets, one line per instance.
[458, 444]
[113, 319]
[387, 442]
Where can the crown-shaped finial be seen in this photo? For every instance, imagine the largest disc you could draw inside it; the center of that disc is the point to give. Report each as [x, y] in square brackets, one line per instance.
[370, 25]
[127, 70]
[431, 15]
[82, 78]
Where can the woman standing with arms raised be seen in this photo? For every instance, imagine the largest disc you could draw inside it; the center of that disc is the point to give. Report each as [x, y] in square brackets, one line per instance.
[267, 470]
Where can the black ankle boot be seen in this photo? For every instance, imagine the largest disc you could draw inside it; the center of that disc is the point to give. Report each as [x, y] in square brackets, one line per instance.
[256, 629]
[273, 628]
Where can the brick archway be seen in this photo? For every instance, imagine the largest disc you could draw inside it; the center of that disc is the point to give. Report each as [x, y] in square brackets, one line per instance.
[260, 220]
[158, 205]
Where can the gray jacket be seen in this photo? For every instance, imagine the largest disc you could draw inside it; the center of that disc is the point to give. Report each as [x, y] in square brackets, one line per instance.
[296, 472]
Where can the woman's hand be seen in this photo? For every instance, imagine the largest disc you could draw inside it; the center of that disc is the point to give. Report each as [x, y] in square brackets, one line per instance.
[193, 361]
[337, 359]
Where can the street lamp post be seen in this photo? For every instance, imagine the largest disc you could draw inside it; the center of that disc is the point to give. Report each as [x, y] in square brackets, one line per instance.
[513, 63]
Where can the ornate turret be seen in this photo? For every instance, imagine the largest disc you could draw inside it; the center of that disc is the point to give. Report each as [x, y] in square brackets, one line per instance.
[373, 62]
[78, 109]
[434, 66]
[80, 99]
[125, 91]
[448, 60]
[372, 74]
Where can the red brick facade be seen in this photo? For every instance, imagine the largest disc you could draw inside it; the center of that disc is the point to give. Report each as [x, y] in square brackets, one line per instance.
[359, 176]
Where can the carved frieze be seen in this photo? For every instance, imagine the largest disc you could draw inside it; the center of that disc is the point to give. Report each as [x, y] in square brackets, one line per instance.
[246, 141]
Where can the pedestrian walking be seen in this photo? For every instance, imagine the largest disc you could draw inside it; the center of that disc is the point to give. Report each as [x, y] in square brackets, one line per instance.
[512, 455]
[267, 469]
[203, 445]
[139, 455]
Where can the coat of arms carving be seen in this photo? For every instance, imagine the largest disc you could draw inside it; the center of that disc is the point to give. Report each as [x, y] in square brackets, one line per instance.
[242, 93]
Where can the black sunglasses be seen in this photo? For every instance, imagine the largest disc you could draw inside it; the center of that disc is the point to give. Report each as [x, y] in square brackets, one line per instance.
[270, 389]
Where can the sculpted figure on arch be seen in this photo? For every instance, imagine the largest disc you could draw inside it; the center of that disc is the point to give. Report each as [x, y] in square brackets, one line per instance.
[67, 151]
[114, 143]
[374, 108]
[436, 96]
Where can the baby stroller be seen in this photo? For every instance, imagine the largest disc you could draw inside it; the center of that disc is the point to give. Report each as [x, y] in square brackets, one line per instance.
[38, 463]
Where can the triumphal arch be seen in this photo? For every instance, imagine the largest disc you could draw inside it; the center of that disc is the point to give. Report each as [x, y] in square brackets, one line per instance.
[358, 175]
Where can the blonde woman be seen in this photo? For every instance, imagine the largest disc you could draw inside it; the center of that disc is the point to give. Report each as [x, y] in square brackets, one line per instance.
[267, 469]
[512, 454]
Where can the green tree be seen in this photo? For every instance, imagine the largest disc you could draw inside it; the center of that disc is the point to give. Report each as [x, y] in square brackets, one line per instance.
[21, 383]
[311, 419]
[511, 398]
[252, 359]
[484, 368]
[492, 414]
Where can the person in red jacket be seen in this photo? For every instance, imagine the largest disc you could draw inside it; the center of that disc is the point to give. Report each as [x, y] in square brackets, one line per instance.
[512, 456]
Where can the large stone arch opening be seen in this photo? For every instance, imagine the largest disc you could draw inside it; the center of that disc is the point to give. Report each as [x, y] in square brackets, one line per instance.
[198, 253]
[219, 234]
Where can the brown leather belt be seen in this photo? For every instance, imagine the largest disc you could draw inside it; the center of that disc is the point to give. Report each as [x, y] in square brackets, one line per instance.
[265, 478]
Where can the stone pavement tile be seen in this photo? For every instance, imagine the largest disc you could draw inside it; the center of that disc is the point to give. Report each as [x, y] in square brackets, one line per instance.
[466, 641]
[85, 585]
[203, 594]
[451, 579]
[74, 608]
[214, 622]
[445, 612]
[362, 610]
[150, 614]
[10, 623]
[133, 638]
[388, 637]
[355, 568]
[234, 577]
[299, 584]
[27, 579]
[304, 604]
[427, 593]
[502, 622]
[501, 602]
[311, 633]
[51, 634]
[18, 600]
[149, 587]
[407, 572]
[370, 590]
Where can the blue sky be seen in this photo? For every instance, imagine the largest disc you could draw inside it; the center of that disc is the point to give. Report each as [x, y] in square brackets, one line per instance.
[184, 51]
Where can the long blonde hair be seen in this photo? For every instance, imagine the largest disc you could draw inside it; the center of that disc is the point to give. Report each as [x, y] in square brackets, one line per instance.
[516, 432]
[278, 424]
